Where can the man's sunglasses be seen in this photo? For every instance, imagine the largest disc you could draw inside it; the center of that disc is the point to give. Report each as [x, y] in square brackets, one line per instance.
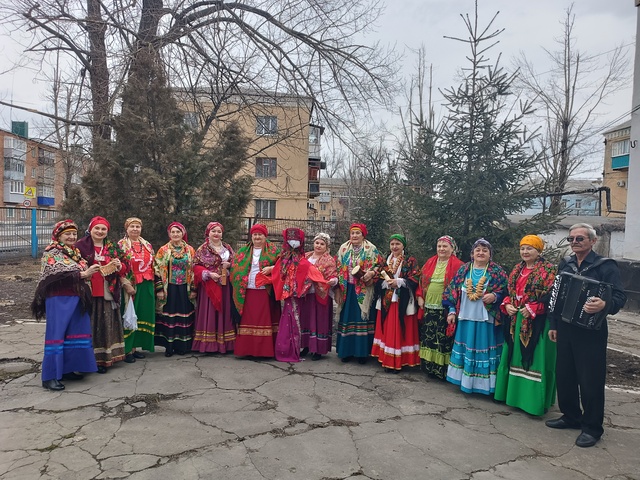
[576, 239]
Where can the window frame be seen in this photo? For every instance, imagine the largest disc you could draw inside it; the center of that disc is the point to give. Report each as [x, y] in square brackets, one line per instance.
[261, 204]
[271, 169]
[266, 125]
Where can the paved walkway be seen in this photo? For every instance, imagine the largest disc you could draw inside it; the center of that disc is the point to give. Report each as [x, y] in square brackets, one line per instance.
[213, 417]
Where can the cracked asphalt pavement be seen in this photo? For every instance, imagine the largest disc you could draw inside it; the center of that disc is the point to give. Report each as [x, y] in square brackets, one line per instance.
[220, 417]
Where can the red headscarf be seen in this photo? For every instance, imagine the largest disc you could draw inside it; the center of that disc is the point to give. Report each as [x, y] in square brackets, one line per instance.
[359, 226]
[259, 228]
[99, 221]
[180, 227]
[210, 227]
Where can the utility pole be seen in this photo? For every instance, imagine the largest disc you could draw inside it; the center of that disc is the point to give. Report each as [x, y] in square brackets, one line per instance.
[632, 223]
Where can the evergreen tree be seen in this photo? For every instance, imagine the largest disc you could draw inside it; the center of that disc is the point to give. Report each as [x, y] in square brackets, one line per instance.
[482, 158]
[158, 169]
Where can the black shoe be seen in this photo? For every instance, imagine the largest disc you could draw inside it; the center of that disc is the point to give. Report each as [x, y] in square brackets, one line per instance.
[72, 376]
[391, 370]
[168, 353]
[304, 352]
[316, 356]
[585, 440]
[346, 359]
[102, 369]
[54, 385]
[139, 355]
[129, 358]
[561, 423]
[362, 360]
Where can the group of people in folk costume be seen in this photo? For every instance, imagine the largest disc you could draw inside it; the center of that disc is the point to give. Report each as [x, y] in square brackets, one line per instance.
[471, 324]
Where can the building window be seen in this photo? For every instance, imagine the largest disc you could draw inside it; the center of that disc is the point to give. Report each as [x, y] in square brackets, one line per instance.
[46, 191]
[191, 120]
[266, 167]
[267, 125]
[23, 214]
[265, 208]
[17, 186]
[323, 206]
[11, 213]
[620, 148]
[578, 203]
[33, 172]
[334, 213]
[43, 214]
[314, 135]
[563, 204]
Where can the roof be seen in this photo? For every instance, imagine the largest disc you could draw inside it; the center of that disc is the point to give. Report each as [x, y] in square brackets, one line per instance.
[622, 126]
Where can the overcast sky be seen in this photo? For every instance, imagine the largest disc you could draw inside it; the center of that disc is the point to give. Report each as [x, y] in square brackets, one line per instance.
[529, 25]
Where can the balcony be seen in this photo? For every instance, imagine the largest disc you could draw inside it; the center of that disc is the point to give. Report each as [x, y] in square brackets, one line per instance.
[46, 201]
[620, 162]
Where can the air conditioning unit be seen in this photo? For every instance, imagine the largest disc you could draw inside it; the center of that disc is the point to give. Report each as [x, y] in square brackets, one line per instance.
[621, 183]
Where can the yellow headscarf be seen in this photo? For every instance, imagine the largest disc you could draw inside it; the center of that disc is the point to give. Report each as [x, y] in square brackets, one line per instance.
[533, 240]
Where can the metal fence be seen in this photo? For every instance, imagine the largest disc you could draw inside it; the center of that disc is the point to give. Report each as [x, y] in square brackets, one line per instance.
[25, 231]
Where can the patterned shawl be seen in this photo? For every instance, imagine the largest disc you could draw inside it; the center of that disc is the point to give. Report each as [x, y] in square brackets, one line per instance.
[60, 269]
[327, 266]
[368, 258]
[127, 248]
[112, 251]
[207, 258]
[537, 287]
[291, 275]
[453, 265]
[242, 266]
[410, 272]
[496, 283]
[162, 269]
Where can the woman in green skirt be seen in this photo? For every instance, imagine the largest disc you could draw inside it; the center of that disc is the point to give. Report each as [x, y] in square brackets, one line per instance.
[526, 377]
[139, 285]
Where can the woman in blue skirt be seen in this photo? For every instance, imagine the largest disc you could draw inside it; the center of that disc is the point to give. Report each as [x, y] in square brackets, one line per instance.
[473, 298]
[64, 296]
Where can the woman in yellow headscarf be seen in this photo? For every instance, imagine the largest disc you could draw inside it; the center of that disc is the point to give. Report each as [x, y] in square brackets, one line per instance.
[526, 375]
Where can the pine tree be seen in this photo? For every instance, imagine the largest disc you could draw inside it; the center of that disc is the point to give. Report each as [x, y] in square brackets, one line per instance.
[482, 159]
[158, 169]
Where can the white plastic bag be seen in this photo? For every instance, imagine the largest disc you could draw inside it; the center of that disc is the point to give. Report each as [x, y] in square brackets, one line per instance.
[130, 319]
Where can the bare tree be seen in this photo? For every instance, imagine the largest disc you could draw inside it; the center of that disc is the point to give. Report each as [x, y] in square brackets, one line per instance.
[300, 47]
[568, 97]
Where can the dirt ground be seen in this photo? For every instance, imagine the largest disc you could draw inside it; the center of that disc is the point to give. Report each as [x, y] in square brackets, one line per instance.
[19, 277]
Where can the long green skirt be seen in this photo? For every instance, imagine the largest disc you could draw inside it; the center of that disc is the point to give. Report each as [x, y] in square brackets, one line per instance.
[145, 305]
[533, 390]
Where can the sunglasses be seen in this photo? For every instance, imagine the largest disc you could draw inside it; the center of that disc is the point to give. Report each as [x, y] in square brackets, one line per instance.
[576, 239]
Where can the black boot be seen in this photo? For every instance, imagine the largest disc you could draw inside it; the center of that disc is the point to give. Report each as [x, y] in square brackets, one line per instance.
[72, 376]
[54, 385]
[129, 358]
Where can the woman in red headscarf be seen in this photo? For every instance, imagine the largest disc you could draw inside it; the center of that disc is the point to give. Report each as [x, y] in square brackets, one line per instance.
[358, 262]
[175, 292]
[292, 278]
[64, 296]
[256, 310]
[214, 330]
[106, 321]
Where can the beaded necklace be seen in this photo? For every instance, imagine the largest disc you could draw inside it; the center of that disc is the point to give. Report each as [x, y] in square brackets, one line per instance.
[177, 252]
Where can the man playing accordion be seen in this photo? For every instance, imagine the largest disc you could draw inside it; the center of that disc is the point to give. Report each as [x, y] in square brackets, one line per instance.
[582, 352]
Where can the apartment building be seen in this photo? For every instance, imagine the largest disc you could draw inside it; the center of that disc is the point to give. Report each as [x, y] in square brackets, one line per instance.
[33, 174]
[285, 151]
[616, 167]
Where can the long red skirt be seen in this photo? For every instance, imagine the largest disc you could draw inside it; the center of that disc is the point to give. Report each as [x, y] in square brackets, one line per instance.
[258, 326]
[395, 347]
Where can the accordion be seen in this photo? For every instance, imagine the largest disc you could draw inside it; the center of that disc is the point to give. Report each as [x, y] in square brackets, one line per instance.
[569, 295]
